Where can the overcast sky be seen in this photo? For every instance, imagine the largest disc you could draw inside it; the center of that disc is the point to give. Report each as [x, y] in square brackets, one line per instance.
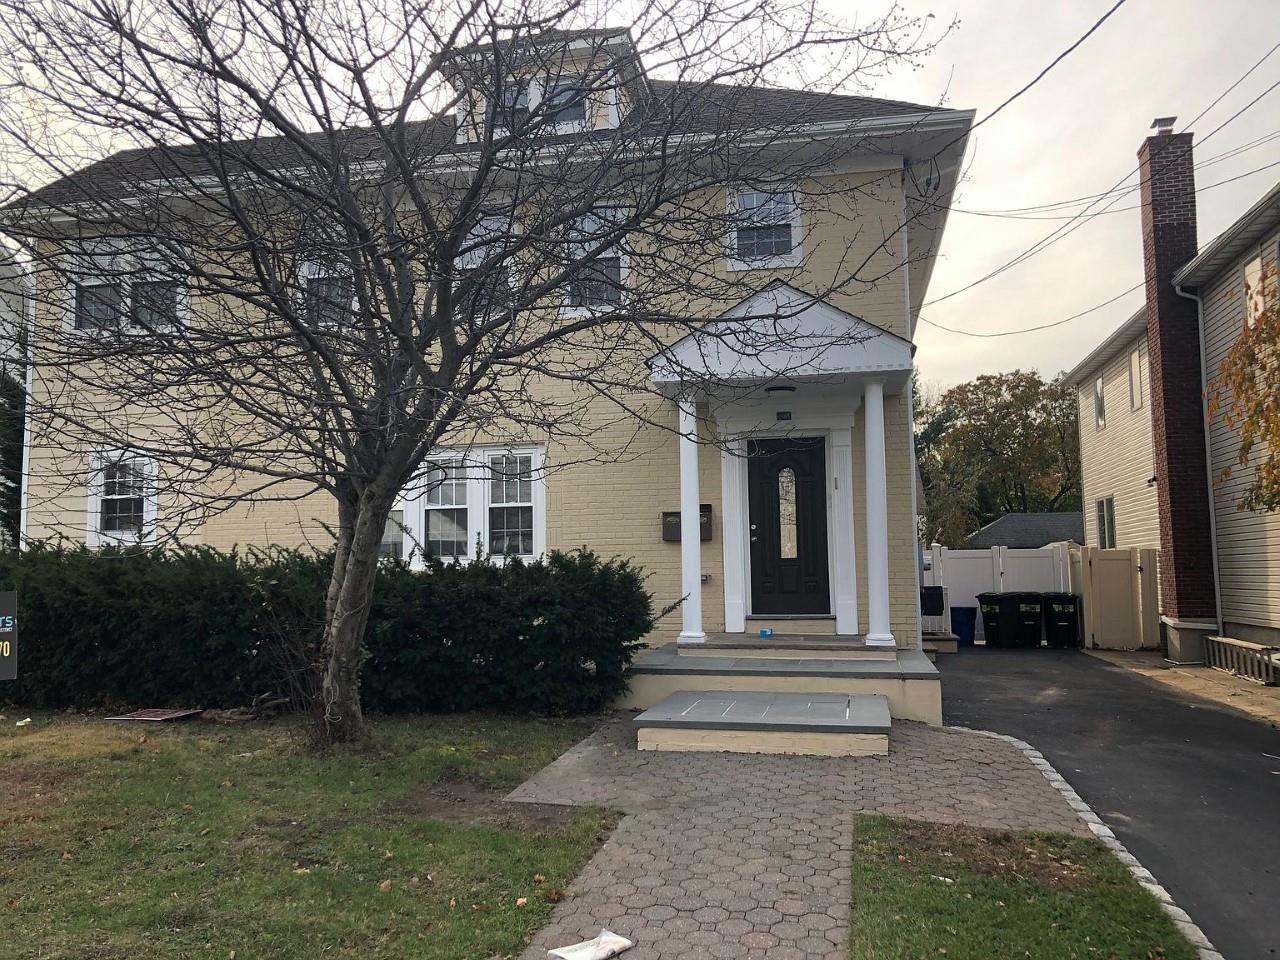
[1076, 133]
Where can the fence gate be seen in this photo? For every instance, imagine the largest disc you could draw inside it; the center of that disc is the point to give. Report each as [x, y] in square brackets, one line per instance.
[1121, 606]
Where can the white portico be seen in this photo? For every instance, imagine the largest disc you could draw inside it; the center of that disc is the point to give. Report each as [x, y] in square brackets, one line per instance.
[775, 385]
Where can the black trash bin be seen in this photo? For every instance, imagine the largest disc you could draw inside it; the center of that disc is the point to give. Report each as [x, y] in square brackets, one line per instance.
[1062, 619]
[995, 621]
[1025, 611]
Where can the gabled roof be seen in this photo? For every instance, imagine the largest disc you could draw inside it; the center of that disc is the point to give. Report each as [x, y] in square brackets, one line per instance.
[1120, 339]
[1234, 242]
[1028, 531]
[805, 337]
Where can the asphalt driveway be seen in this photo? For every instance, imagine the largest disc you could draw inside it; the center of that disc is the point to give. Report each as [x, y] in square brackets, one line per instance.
[1191, 788]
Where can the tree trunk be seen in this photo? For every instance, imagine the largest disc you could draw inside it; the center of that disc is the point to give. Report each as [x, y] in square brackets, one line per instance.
[355, 569]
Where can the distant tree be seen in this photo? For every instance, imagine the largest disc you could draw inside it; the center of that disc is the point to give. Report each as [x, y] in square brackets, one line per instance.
[1002, 443]
[1246, 392]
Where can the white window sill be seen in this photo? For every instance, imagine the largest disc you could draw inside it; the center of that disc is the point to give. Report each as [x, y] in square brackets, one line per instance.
[790, 260]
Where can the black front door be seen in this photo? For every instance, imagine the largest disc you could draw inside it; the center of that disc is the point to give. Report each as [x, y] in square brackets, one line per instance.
[787, 502]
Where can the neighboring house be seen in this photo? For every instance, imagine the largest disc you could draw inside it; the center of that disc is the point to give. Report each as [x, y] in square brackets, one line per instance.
[1149, 467]
[1117, 468]
[812, 512]
[1028, 531]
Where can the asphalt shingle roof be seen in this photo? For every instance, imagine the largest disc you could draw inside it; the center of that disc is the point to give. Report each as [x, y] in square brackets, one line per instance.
[690, 107]
[1027, 531]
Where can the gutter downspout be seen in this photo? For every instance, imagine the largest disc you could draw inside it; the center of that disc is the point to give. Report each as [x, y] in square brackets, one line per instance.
[1208, 453]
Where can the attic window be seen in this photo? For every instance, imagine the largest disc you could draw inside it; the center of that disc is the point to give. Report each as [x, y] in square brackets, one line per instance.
[513, 105]
[566, 101]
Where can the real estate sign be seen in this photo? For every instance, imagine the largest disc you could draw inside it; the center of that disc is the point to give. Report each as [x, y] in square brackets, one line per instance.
[8, 635]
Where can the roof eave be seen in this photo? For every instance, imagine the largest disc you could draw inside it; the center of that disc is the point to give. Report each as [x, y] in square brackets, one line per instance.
[1257, 222]
[1135, 326]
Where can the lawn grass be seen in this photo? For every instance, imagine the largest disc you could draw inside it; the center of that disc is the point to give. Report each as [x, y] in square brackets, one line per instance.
[204, 841]
[923, 890]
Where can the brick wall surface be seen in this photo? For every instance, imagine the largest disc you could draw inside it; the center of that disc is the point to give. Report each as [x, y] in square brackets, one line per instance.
[1166, 164]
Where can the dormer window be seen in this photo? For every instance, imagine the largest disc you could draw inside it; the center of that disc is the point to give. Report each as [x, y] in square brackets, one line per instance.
[513, 105]
[566, 101]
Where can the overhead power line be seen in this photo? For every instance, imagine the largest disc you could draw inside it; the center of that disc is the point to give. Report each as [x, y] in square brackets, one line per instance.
[1132, 206]
[1080, 219]
[1042, 326]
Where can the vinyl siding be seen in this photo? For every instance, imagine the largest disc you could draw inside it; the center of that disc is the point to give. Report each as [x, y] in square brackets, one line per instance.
[1248, 542]
[1117, 461]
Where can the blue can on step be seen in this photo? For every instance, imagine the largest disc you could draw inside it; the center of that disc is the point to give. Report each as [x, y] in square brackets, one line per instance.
[766, 633]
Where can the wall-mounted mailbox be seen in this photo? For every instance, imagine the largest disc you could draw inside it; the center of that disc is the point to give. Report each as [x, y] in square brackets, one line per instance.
[671, 524]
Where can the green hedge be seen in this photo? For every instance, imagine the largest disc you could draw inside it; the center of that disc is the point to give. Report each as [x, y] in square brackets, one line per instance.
[196, 627]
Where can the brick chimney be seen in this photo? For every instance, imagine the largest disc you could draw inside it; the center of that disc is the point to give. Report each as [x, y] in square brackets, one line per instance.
[1173, 339]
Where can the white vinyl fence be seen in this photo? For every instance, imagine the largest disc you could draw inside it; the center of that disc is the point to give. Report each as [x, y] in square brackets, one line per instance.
[1117, 588]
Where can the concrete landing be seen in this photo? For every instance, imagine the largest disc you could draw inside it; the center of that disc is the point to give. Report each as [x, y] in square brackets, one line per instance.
[787, 646]
[815, 724]
[909, 680]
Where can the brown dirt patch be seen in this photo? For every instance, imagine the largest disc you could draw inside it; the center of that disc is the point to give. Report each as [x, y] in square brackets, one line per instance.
[30, 789]
[454, 801]
[1047, 861]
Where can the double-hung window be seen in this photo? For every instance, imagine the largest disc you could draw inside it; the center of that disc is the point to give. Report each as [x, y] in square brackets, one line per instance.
[1136, 386]
[483, 267]
[565, 102]
[122, 500]
[766, 228]
[1106, 515]
[513, 106]
[1260, 288]
[446, 511]
[595, 259]
[511, 504]
[328, 295]
[488, 497]
[126, 284]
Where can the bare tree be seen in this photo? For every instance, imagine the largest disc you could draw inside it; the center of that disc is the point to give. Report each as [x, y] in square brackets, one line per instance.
[345, 235]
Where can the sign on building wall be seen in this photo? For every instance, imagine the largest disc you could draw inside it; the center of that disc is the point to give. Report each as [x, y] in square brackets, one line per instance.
[8, 635]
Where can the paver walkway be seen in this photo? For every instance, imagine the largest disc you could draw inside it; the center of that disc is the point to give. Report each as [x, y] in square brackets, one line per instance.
[741, 856]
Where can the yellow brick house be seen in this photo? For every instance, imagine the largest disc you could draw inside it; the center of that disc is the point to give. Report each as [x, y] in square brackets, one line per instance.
[771, 490]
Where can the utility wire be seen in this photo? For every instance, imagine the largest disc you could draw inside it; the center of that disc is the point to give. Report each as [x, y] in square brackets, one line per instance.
[1058, 233]
[1042, 326]
[1084, 216]
[1132, 206]
[1027, 213]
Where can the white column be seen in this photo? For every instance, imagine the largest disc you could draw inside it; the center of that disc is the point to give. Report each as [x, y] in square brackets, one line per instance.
[733, 527]
[841, 533]
[690, 538]
[878, 632]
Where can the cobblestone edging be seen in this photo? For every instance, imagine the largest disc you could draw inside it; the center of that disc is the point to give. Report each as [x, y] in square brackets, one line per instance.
[1104, 833]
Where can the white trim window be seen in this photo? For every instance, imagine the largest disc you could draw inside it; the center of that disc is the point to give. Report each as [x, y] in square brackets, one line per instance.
[515, 100]
[766, 231]
[566, 104]
[493, 497]
[1137, 389]
[121, 499]
[510, 519]
[126, 284]
[1106, 516]
[597, 274]
[1260, 288]
[1099, 404]
[327, 296]
[544, 104]
[484, 284]
[445, 511]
